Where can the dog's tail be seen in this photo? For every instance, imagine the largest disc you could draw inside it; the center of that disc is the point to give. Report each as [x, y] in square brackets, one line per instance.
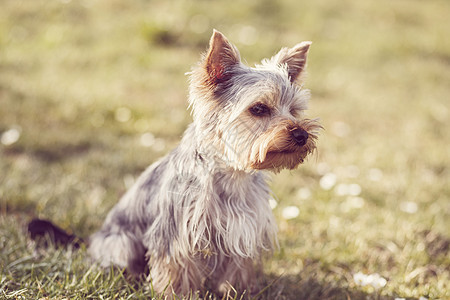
[39, 229]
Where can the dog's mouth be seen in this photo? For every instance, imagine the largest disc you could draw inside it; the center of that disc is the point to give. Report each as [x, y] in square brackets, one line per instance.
[279, 150]
[281, 159]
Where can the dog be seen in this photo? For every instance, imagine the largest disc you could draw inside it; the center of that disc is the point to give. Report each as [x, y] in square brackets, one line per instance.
[199, 218]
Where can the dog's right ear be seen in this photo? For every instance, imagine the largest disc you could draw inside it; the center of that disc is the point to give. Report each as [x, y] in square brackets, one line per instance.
[294, 59]
[220, 58]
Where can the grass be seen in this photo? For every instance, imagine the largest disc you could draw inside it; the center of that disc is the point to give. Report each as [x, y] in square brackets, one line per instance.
[82, 81]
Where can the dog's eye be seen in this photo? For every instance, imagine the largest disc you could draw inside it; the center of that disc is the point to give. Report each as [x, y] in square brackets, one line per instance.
[260, 110]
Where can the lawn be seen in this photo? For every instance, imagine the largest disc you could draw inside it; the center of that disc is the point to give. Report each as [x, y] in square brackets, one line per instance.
[92, 92]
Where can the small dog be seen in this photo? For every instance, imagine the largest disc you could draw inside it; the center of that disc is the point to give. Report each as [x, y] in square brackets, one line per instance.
[200, 217]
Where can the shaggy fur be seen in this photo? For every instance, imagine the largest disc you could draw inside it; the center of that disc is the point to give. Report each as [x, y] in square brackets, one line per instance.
[200, 216]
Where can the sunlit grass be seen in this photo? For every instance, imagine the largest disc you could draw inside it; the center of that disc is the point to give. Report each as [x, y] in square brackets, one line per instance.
[91, 92]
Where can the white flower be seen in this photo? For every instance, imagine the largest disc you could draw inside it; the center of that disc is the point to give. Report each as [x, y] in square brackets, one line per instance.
[360, 279]
[10, 136]
[342, 189]
[147, 139]
[374, 280]
[355, 202]
[354, 189]
[272, 203]
[328, 181]
[290, 212]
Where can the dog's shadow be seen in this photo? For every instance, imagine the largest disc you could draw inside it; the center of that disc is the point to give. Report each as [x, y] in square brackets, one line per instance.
[305, 286]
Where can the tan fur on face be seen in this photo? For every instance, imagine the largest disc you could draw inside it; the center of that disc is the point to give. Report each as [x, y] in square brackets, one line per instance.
[276, 149]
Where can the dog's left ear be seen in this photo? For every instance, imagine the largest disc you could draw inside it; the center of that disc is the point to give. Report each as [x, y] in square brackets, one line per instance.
[221, 57]
[294, 58]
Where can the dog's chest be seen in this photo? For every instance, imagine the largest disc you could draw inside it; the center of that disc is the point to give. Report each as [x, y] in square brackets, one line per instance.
[231, 216]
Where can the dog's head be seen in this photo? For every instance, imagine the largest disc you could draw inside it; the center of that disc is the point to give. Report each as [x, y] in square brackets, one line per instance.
[253, 118]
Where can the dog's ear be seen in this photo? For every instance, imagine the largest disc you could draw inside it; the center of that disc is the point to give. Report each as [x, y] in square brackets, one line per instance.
[221, 56]
[294, 59]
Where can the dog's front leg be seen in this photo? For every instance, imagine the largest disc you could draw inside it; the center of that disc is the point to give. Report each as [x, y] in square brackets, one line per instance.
[236, 275]
[181, 277]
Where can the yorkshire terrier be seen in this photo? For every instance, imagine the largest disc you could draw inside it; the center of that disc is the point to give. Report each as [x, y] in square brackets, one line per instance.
[199, 218]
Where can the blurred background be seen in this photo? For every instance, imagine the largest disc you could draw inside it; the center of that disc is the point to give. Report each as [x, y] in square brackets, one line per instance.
[93, 91]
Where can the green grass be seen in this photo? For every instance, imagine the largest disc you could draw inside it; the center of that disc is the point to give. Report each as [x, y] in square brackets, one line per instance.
[82, 81]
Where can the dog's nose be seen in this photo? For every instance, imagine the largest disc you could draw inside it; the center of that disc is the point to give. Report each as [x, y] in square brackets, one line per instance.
[300, 136]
